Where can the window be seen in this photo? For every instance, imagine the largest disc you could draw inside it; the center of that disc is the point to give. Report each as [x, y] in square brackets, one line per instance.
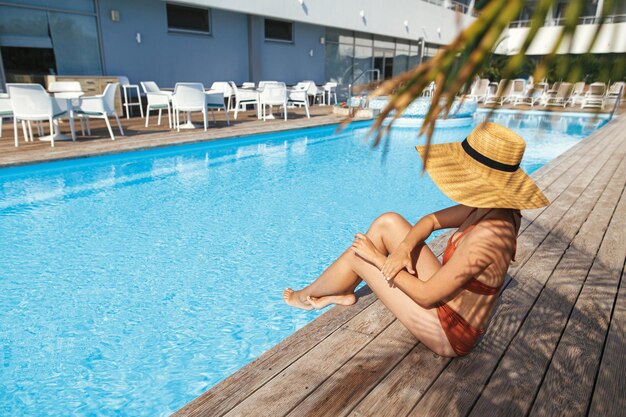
[188, 19]
[278, 30]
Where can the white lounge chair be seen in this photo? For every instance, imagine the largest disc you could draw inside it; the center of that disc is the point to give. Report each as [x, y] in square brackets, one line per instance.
[30, 102]
[479, 91]
[225, 88]
[499, 95]
[244, 97]
[298, 96]
[534, 94]
[274, 94]
[516, 91]
[594, 97]
[157, 100]
[189, 97]
[577, 93]
[561, 97]
[616, 91]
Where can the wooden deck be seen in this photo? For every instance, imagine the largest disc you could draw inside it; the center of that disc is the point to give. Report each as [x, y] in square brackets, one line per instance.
[139, 137]
[555, 345]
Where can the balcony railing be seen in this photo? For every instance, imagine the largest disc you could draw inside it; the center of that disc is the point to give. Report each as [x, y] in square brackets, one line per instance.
[584, 20]
[453, 5]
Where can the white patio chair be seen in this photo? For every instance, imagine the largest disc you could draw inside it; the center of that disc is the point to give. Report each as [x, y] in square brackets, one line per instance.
[224, 88]
[561, 97]
[100, 107]
[330, 91]
[299, 96]
[189, 97]
[499, 95]
[157, 100]
[31, 103]
[594, 97]
[215, 101]
[6, 111]
[127, 89]
[274, 95]
[264, 83]
[248, 85]
[244, 97]
[313, 92]
[152, 87]
[577, 93]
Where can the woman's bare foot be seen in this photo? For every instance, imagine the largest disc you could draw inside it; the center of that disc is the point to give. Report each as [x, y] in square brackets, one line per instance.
[292, 298]
[321, 302]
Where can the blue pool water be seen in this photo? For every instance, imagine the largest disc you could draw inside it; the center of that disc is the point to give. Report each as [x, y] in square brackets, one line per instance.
[130, 284]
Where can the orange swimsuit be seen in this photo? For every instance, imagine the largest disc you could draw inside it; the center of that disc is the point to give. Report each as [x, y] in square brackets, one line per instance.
[462, 335]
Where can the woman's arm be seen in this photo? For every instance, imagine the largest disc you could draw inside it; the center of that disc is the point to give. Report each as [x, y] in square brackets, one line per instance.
[470, 259]
[442, 219]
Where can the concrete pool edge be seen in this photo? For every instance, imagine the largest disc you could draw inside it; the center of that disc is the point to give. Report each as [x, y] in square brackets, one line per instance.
[190, 141]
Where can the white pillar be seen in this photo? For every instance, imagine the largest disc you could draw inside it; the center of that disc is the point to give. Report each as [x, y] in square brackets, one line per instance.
[599, 8]
[470, 7]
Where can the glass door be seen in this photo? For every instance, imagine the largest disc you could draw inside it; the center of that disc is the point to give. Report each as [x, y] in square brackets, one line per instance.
[383, 61]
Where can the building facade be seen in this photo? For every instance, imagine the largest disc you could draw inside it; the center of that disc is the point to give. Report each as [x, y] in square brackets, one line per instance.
[211, 40]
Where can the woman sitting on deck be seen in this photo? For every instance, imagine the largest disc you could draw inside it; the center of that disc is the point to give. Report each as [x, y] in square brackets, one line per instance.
[445, 305]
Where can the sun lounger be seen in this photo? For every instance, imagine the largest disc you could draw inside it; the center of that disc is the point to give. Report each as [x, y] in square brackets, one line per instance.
[499, 96]
[560, 98]
[577, 94]
[479, 91]
[594, 98]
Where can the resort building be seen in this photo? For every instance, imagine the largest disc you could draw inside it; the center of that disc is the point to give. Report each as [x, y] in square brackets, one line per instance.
[229, 40]
[611, 39]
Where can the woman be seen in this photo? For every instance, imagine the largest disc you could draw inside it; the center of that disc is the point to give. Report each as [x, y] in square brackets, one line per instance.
[445, 305]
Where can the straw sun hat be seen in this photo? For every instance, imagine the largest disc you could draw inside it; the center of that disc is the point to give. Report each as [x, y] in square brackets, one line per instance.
[483, 171]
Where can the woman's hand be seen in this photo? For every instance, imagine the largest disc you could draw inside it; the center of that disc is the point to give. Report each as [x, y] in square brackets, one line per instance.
[365, 248]
[398, 260]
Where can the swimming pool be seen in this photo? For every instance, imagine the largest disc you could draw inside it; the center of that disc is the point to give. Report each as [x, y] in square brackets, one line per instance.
[130, 284]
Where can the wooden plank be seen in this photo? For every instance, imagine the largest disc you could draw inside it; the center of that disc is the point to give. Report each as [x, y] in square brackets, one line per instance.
[578, 354]
[514, 384]
[294, 383]
[231, 391]
[469, 374]
[397, 393]
[345, 387]
[430, 365]
[608, 396]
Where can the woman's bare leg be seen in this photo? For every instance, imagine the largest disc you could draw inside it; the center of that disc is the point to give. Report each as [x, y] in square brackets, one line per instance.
[386, 232]
[340, 280]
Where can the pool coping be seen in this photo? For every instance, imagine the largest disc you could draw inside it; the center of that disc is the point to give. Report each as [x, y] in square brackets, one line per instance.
[313, 122]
